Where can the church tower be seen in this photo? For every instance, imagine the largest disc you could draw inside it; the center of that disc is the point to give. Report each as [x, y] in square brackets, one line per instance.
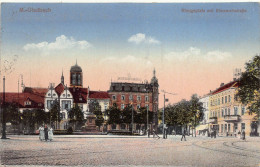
[76, 78]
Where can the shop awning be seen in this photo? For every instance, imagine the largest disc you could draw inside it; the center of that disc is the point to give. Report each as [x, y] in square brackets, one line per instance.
[202, 127]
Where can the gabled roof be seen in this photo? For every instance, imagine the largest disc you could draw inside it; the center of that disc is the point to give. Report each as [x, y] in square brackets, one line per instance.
[37, 101]
[79, 94]
[98, 95]
[225, 87]
[59, 89]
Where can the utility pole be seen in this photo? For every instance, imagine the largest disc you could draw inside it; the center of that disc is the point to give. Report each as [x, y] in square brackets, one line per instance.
[165, 100]
[3, 112]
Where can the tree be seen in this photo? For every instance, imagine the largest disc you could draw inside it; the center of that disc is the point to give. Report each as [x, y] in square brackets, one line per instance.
[76, 116]
[13, 115]
[95, 108]
[196, 110]
[28, 120]
[249, 85]
[55, 112]
[41, 116]
[114, 115]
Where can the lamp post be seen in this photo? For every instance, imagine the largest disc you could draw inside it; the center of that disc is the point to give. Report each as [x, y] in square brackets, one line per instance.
[165, 100]
[3, 112]
[132, 119]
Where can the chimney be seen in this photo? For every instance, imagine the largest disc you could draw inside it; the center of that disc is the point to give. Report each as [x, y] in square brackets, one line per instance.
[222, 84]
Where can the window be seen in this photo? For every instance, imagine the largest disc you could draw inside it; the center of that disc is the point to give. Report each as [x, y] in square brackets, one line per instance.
[138, 106]
[218, 114]
[122, 97]
[218, 101]
[228, 111]
[146, 98]
[222, 100]
[123, 88]
[229, 98]
[66, 104]
[225, 99]
[225, 127]
[27, 102]
[131, 88]
[222, 127]
[235, 110]
[242, 110]
[131, 97]
[105, 106]
[114, 97]
[68, 95]
[222, 113]
[63, 95]
[114, 88]
[122, 106]
[243, 126]
[228, 127]
[49, 94]
[139, 98]
[49, 104]
[235, 127]
[225, 111]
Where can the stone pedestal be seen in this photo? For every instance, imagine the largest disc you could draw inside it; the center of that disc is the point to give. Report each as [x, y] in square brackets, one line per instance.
[90, 125]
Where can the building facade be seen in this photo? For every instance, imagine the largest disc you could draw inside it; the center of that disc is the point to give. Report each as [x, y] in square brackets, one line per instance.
[227, 115]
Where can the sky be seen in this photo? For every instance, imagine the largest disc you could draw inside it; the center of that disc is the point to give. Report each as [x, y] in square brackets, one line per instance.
[192, 52]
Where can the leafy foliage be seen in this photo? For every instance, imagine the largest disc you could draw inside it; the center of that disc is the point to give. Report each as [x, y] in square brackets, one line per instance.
[95, 108]
[76, 116]
[249, 85]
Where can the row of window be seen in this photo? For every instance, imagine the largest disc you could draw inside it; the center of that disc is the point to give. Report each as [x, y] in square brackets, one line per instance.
[65, 104]
[216, 102]
[55, 95]
[227, 127]
[226, 111]
[138, 106]
[131, 98]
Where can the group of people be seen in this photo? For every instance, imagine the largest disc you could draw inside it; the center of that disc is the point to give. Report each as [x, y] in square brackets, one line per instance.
[45, 133]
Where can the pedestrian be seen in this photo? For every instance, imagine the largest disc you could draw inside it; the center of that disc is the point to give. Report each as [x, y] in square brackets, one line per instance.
[183, 134]
[215, 133]
[50, 134]
[165, 132]
[46, 132]
[239, 134]
[41, 133]
[148, 131]
[154, 134]
[243, 135]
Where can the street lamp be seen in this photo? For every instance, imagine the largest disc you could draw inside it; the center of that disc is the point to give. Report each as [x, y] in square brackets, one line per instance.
[3, 112]
[165, 100]
[132, 119]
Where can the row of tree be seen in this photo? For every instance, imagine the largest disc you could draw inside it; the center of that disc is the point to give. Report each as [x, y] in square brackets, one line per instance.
[184, 113]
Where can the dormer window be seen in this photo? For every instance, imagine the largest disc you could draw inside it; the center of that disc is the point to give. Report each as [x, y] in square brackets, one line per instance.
[68, 95]
[49, 94]
[63, 95]
[53, 94]
[27, 103]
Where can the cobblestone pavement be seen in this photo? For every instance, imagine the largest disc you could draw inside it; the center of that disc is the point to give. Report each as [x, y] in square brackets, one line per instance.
[106, 150]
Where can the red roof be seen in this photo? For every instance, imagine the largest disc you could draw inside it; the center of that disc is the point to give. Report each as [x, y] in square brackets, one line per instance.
[225, 87]
[79, 94]
[36, 101]
[98, 95]
[36, 91]
[59, 89]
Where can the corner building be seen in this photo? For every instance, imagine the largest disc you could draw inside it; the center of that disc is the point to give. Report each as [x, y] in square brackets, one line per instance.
[138, 95]
[227, 114]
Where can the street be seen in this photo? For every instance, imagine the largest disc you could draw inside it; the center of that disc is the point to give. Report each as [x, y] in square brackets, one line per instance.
[108, 150]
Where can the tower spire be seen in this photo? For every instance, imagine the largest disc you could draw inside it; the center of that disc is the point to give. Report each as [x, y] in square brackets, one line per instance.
[76, 62]
[154, 72]
[62, 77]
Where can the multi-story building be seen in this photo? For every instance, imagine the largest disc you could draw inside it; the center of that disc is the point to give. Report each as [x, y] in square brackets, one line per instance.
[203, 127]
[137, 95]
[227, 115]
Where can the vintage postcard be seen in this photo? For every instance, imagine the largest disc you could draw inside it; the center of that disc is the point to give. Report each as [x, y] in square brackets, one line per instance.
[130, 84]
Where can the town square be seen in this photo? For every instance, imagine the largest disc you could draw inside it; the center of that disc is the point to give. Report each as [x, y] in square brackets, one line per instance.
[130, 84]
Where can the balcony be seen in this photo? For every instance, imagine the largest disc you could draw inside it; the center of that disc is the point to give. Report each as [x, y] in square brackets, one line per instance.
[229, 118]
[213, 120]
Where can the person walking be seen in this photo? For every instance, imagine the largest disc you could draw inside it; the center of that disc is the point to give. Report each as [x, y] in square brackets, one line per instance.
[148, 132]
[46, 132]
[41, 133]
[50, 134]
[243, 135]
[154, 134]
[183, 134]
